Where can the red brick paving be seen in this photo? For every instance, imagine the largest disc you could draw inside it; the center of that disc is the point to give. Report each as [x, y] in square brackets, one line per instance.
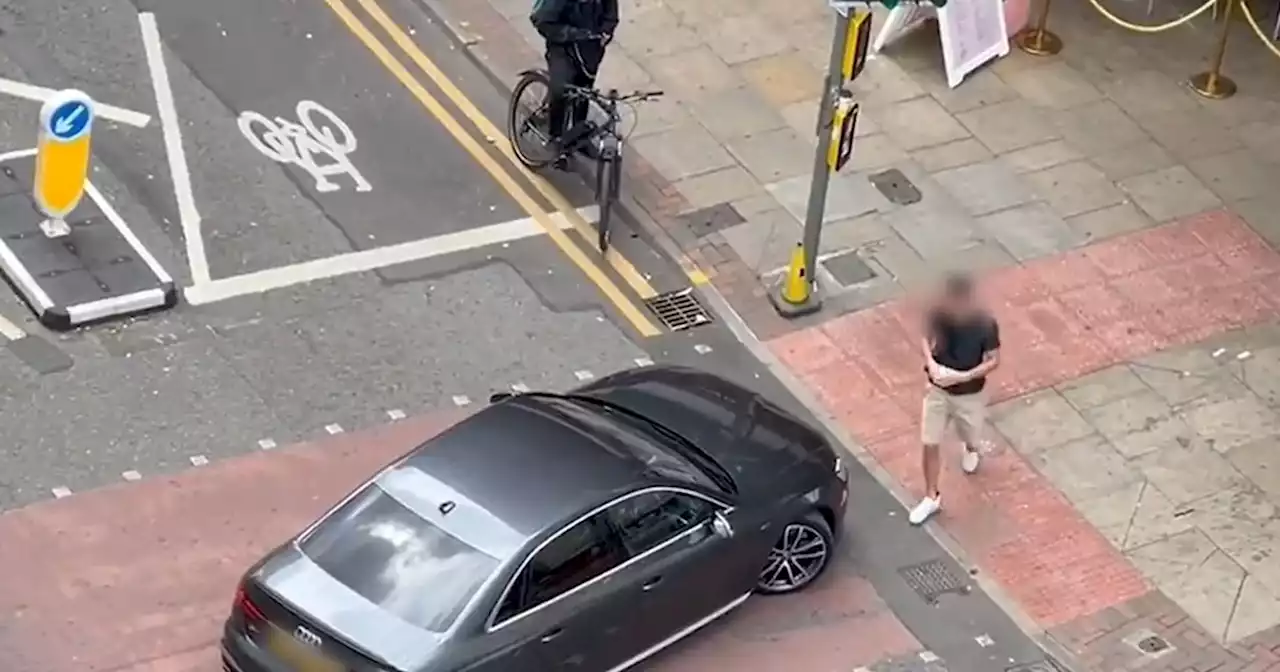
[837, 626]
[1060, 318]
[139, 576]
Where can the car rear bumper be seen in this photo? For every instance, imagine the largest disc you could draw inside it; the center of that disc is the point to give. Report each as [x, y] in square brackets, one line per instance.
[239, 654]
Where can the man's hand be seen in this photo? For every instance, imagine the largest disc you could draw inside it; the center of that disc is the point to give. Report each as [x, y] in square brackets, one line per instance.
[605, 39]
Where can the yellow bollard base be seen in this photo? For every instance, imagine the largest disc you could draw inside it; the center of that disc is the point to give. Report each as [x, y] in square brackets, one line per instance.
[790, 310]
[1213, 88]
[1038, 42]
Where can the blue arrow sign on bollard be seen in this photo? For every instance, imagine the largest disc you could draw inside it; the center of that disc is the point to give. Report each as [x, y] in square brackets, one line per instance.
[70, 120]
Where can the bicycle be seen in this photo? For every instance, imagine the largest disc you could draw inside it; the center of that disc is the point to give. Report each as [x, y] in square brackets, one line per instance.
[599, 141]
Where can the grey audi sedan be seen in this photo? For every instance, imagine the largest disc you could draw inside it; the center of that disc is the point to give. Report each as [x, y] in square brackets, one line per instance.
[552, 532]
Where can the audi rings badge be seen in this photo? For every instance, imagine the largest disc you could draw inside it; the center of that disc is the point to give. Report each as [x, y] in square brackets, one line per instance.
[317, 133]
[305, 636]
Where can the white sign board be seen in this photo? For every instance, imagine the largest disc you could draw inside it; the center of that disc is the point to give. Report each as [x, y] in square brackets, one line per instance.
[972, 32]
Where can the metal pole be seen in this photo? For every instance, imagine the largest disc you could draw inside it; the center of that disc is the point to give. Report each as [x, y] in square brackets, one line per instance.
[816, 211]
[1213, 84]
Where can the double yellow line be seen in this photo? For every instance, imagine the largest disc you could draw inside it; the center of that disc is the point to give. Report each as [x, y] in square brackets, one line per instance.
[639, 285]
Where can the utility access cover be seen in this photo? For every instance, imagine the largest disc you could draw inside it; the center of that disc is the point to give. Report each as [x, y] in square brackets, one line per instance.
[896, 187]
[933, 579]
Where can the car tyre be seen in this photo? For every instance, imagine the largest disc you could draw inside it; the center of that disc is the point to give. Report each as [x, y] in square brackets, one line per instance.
[802, 553]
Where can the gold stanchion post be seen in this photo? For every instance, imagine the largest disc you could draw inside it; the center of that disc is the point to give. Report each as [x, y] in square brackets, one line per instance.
[1039, 41]
[1213, 84]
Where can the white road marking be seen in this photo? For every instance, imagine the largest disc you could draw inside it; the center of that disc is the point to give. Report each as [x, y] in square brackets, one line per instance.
[199, 460]
[461, 400]
[1244, 355]
[929, 657]
[60, 492]
[644, 361]
[702, 349]
[259, 282]
[10, 330]
[334, 429]
[131, 475]
[396, 414]
[984, 640]
[584, 375]
[299, 143]
[188, 215]
[40, 94]
[266, 444]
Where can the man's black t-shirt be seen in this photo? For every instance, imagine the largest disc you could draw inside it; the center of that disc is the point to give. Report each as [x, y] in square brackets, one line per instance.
[962, 343]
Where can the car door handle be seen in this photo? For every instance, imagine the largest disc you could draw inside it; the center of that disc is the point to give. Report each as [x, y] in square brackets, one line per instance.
[551, 636]
[651, 583]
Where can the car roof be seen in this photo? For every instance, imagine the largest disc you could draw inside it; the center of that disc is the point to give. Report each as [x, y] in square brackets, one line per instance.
[524, 465]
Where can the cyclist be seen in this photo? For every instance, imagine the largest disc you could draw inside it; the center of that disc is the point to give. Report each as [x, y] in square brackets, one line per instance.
[576, 33]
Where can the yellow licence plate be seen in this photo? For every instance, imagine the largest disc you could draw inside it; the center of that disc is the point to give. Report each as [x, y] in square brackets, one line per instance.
[298, 656]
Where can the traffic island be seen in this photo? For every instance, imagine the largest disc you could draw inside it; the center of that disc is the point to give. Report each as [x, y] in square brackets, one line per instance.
[98, 270]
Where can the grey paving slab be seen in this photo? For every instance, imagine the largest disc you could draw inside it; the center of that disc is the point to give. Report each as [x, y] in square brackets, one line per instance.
[1075, 188]
[1185, 473]
[765, 241]
[983, 188]
[1054, 85]
[1040, 421]
[690, 73]
[873, 152]
[653, 31]
[1102, 387]
[1169, 194]
[1235, 175]
[883, 83]
[1107, 222]
[1039, 157]
[1132, 158]
[1097, 128]
[951, 155]
[719, 186]
[848, 195]
[1086, 469]
[1259, 461]
[683, 152]
[734, 113]
[744, 38]
[1189, 134]
[981, 88]
[1030, 231]
[1227, 423]
[773, 155]
[1009, 125]
[934, 229]
[920, 122]
[1139, 423]
[783, 79]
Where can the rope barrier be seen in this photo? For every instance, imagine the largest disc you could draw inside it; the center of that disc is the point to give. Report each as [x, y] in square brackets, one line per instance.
[1257, 29]
[1138, 28]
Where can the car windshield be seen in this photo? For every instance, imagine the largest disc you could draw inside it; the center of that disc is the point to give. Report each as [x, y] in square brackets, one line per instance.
[394, 558]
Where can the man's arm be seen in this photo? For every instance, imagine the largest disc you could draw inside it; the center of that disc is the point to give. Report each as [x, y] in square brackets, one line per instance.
[546, 19]
[990, 356]
[927, 345]
[610, 22]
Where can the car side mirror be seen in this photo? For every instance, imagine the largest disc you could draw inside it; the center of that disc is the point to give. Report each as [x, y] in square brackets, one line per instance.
[720, 526]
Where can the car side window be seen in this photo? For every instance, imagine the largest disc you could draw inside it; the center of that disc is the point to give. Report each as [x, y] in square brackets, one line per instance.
[576, 556]
[647, 520]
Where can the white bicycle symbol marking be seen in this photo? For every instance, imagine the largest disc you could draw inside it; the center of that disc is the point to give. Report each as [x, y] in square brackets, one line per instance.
[301, 142]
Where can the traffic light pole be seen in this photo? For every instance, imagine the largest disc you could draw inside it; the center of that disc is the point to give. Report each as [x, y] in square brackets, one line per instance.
[817, 208]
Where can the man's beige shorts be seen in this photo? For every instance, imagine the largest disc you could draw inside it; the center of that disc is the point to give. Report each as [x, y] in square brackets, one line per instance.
[968, 411]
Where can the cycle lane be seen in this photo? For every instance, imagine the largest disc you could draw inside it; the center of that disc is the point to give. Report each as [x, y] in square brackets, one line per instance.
[301, 97]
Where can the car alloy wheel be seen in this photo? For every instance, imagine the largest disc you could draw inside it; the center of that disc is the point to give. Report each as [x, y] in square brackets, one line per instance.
[798, 557]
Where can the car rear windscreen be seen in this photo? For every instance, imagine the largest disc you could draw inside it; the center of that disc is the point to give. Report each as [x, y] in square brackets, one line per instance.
[394, 558]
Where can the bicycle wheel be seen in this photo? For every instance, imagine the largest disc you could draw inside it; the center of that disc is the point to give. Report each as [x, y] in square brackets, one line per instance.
[608, 175]
[527, 121]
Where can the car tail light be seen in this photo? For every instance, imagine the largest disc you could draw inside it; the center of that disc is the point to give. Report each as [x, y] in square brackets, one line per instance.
[246, 607]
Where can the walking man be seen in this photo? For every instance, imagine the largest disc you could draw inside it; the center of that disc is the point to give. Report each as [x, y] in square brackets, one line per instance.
[961, 348]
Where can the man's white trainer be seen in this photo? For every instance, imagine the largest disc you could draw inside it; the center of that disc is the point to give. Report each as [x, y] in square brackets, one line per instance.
[926, 508]
[970, 460]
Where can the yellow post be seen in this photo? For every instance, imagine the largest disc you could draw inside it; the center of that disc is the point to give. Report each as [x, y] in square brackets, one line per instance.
[1213, 84]
[795, 287]
[62, 157]
[1039, 41]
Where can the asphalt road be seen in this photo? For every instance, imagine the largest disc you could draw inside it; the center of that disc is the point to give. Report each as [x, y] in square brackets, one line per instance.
[202, 383]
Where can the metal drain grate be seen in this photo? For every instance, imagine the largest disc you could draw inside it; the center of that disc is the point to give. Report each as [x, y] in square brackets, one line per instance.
[1046, 665]
[932, 579]
[679, 310]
